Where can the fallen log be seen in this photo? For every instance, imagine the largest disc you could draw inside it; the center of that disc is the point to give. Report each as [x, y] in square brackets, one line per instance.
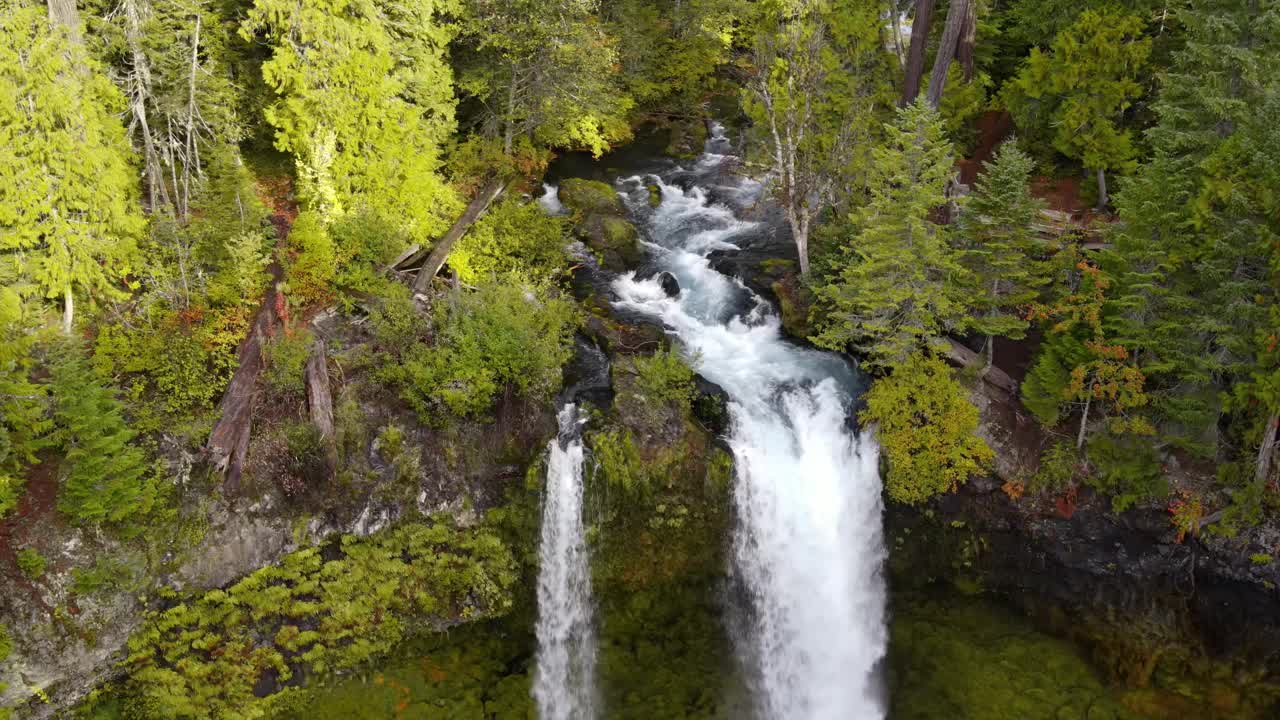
[964, 357]
[320, 405]
[444, 246]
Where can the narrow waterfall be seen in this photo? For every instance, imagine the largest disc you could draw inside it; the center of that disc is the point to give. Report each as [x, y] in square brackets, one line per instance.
[563, 685]
[808, 545]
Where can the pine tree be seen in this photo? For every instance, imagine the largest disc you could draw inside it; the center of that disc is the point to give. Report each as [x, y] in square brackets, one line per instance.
[69, 217]
[999, 249]
[105, 477]
[363, 101]
[1081, 88]
[22, 408]
[902, 286]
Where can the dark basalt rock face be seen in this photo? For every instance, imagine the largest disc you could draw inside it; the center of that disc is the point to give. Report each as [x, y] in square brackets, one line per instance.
[711, 406]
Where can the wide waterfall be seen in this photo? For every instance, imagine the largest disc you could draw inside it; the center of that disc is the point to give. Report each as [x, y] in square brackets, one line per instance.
[807, 546]
[564, 681]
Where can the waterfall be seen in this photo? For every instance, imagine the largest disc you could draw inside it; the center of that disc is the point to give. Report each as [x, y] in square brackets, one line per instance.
[807, 546]
[563, 685]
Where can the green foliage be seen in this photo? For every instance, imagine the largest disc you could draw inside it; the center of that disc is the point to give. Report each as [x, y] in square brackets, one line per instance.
[1044, 389]
[925, 425]
[503, 333]
[69, 216]
[1081, 88]
[512, 237]
[1261, 558]
[999, 249]
[619, 460]
[307, 615]
[364, 118]
[1060, 468]
[286, 356]
[366, 243]
[899, 288]
[1127, 469]
[106, 478]
[664, 377]
[23, 420]
[312, 262]
[396, 323]
[6, 643]
[31, 563]
[543, 70]
[107, 574]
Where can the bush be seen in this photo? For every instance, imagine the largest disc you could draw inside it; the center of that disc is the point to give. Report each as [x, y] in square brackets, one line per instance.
[105, 477]
[395, 321]
[1060, 467]
[504, 333]
[665, 377]
[365, 243]
[513, 236]
[925, 425]
[286, 356]
[619, 460]
[1127, 469]
[1044, 389]
[311, 262]
[31, 563]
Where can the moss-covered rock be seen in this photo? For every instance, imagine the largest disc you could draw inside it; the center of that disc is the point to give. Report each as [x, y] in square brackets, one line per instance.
[599, 220]
[591, 197]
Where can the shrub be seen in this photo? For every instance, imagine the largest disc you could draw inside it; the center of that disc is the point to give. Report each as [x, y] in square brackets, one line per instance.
[925, 425]
[106, 478]
[1060, 467]
[1128, 470]
[504, 333]
[365, 243]
[311, 262]
[306, 460]
[513, 236]
[31, 563]
[286, 356]
[619, 460]
[395, 322]
[665, 377]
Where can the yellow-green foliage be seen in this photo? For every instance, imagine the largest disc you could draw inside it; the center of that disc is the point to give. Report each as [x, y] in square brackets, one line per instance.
[203, 658]
[286, 357]
[505, 333]
[6, 647]
[925, 427]
[664, 377]
[513, 236]
[1059, 467]
[312, 261]
[620, 463]
[31, 563]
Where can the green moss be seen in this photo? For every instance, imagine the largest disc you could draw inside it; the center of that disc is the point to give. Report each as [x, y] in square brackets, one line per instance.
[229, 651]
[966, 659]
[31, 563]
[590, 197]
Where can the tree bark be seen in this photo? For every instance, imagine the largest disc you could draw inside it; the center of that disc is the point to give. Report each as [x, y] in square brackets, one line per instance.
[1084, 421]
[320, 405]
[968, 39]
[441, 251]
[915, 54]
[1267, 449]
[957, 11]
[1102, 190]
[63, 12]
[68, 310]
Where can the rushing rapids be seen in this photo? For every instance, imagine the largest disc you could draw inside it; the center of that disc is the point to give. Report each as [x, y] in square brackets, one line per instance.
[808, 547]
[564, 681]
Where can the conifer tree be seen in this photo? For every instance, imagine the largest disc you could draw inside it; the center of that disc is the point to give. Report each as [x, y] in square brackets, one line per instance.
[902, 284]
[999, 249]
[363, 100]
[1081, 88]
[105, 477]
[69, 217]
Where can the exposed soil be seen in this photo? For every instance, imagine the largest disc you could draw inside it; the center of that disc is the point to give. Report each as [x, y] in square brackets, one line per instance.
[36, 509]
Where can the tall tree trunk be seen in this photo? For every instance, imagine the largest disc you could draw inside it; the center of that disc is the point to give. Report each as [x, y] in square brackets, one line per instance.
[1084, 422]
[63, 12]
[139, 99]
[441, 251]
[1267, 449]
[968, 39]
[1102, 190]
[957, 11]
[802, 247]
[68, 310]
[320, 405]
[190, 141]
[915, 54]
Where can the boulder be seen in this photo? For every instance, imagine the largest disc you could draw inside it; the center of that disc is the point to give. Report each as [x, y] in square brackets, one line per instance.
[591, 197]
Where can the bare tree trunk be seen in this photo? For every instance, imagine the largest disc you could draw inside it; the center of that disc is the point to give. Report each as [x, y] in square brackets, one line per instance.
[1084, 421]
[1267, 449]
[956, 14]
[63, 12]
[968, 39]
[139, 98]
[68, 310]
[320, 405]
[1102, 190]
[441, 251]
[915, 55]
[802, 247]
[190, 140]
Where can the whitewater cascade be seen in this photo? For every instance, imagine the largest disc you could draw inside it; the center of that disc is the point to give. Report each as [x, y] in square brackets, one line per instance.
[808, 544]
[564, 682]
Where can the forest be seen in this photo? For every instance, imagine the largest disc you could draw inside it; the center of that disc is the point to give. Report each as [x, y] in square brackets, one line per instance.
[246, 245]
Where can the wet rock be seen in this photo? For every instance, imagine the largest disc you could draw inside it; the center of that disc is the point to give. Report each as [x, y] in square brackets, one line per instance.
[711, 405]
[586, 377]
[600, 222]
[655, 195]
[591, 197]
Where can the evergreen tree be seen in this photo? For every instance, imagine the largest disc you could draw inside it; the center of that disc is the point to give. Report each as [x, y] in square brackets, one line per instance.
[999, 249]
[363, 100]
[69, 216]
[105, 477]
[1081, 88]
[903, 285]
[546, 71]
[22, 409]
